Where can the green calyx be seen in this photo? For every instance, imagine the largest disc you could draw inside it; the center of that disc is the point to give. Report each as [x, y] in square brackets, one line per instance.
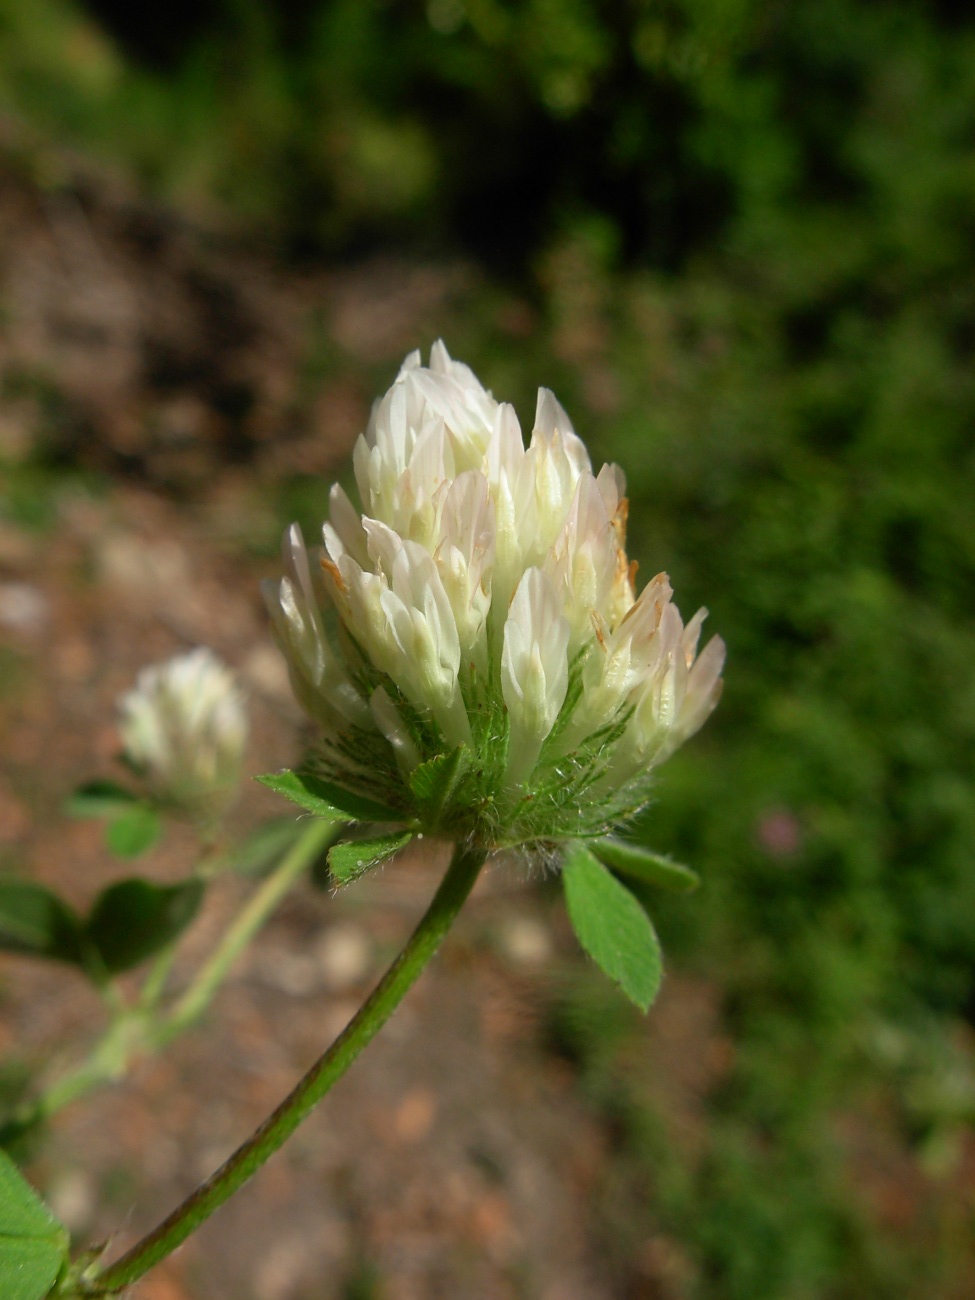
[463, 793]
[605, 879]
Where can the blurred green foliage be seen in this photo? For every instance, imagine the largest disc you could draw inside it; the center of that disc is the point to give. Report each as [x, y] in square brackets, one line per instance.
[746, 234]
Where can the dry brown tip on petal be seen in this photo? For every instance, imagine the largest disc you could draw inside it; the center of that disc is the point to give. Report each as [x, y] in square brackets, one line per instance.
[597, 627]
[619, 522]
[332, 569]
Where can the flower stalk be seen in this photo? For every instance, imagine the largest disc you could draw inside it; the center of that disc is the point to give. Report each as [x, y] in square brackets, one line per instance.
[328, 1069]
[317, 836]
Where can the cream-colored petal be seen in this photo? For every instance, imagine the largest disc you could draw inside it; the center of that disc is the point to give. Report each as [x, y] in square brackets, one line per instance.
[534, 669]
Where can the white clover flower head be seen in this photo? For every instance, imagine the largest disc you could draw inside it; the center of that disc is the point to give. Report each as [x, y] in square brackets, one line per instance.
[184, 728]
[475, 631]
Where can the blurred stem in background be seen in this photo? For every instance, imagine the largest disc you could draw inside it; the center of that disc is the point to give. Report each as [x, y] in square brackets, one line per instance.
[146, 1026]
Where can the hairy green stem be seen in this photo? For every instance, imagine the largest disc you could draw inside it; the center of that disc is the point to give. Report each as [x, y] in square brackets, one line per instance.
[278, 1127]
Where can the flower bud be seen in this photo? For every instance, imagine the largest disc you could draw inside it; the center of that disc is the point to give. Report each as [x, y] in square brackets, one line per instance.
[483, 602]
[184, 728]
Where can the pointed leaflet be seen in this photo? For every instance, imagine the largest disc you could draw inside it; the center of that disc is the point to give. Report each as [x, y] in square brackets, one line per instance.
[645, 865]
[325, 799]
[34, 920]
[611, 926]
[133, 919]
[350, 860]
[33, 1245]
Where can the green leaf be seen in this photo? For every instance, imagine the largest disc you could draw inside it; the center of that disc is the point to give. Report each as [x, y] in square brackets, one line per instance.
[352, 859]
[100, 799]
[33, 1245]
[34, 920]
[612, 926]
[435, 782]
[645, 865]
[135, 918]
[134, 832]
[325, 799]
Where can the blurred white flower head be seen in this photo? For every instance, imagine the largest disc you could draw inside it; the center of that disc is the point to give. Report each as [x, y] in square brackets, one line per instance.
[483, 601]
[184, 728]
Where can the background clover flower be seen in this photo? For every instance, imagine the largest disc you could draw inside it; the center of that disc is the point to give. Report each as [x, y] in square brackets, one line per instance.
[482, 606]
[184, 728]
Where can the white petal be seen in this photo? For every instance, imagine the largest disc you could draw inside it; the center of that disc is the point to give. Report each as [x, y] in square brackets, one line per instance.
[343, 533]
[701, 695]
[582, 562]
[552, 423]
[382, 543]
[389, 722]
[612, 484]
[465, 559]
[534, 668]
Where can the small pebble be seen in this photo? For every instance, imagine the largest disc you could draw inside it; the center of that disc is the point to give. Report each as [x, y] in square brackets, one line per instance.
[72, 1198]
[265, 670]
[344, 957]
[294, 973]
[524, 941]
[23, 608]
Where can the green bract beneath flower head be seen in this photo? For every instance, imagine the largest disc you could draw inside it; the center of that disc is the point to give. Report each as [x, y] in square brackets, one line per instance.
[471, 643]
[184, 728]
